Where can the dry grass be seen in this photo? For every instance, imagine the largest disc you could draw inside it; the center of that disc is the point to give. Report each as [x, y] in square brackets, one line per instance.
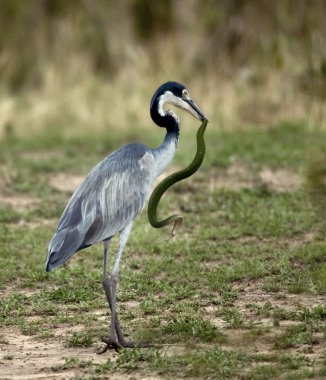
[246, 64]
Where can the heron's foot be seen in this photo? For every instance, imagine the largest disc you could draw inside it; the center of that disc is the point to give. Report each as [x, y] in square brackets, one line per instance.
[127, 344]
[110, 344]
[113, 344]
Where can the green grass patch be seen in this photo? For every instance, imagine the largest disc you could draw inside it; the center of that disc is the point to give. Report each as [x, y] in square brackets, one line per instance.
[9, 215]
[296, 335]
[192, 329]
[80, 339]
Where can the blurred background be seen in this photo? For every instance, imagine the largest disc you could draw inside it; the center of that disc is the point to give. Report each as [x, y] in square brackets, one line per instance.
[72, 68]
[93, 64]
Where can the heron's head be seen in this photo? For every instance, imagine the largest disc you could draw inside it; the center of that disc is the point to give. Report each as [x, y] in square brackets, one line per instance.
[177, 95]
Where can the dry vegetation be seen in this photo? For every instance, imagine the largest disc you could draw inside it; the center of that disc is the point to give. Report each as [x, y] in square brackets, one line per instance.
[94, 65]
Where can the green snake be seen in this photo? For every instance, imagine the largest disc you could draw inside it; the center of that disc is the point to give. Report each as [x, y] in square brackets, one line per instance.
[163, 186]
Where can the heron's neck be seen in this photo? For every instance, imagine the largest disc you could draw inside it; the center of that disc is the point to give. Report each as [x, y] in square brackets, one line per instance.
[169, 120]
[164, 153]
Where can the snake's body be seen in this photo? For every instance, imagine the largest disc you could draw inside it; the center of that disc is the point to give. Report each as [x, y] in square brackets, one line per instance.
[163, 186]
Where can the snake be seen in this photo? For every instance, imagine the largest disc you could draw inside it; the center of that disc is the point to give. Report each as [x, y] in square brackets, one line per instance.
[172, 179]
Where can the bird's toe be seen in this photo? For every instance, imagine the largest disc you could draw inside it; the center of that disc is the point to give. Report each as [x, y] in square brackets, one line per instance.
[110, 344]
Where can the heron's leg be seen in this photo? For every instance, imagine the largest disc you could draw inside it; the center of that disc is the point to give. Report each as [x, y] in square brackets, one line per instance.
[115, 272]
[116, 339]
[107, 288]
[106, 285]
[106, 280]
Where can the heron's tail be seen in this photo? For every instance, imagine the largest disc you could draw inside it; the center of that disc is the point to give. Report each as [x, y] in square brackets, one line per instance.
[62, 246]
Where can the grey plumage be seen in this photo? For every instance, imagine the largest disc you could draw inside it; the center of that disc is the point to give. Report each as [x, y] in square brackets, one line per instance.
[110, 198]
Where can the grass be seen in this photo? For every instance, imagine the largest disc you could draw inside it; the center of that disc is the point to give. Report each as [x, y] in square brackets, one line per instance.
[82, 339]
[237, 294]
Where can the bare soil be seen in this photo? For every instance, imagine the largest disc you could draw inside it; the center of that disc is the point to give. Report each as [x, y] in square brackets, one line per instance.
[18, 202]
[23, 357]
[33, 359]
[66, 182]
[239, 176]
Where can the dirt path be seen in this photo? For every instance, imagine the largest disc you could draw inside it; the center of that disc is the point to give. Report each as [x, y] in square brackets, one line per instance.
[23, 357]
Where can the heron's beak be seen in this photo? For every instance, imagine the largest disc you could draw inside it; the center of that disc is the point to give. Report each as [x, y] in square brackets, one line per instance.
[194, 110]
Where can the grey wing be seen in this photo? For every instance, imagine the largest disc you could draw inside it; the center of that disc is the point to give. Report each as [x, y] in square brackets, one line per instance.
[111, 196]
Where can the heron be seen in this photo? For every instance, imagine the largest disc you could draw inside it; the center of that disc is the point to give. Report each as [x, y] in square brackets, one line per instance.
[114, 193]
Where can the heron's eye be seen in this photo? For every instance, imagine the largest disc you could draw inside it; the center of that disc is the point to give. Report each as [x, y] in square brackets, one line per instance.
[185, 93]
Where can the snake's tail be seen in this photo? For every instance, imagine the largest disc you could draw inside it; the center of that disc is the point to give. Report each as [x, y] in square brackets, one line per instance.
[176, 227]
[166, 239]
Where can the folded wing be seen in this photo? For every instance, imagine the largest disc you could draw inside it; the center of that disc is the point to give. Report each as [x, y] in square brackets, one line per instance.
[109, 199]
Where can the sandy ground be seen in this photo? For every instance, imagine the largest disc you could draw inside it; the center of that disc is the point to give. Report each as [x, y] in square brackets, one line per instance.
[24, 357]
[35, 360]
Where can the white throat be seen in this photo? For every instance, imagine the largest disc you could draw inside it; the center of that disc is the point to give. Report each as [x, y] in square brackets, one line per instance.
[168, 98]
[163, 155]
